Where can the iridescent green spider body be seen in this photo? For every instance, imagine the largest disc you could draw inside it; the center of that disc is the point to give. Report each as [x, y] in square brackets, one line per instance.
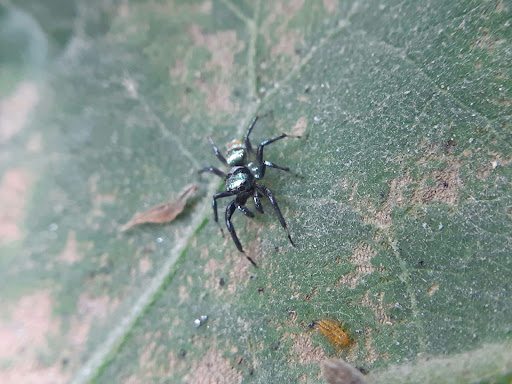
[236, 154]
[241, 180]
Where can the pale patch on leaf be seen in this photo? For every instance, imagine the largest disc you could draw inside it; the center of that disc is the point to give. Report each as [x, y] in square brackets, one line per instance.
[15, 110]
[163, 213]
[304, 351]
[300, 126]
[96, 306]
[331, 6]
[13, 191]
[214, 369]
[25, 331]
[70, 253]
[145, 265]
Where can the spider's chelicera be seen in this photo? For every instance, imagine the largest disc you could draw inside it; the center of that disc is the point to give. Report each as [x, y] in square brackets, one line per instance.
[242, 180]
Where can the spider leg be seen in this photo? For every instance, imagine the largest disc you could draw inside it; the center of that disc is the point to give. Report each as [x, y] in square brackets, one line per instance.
[229, 213]
[273, 201]
[259, 154]
[217, 152]
[245, 210]
[214, 205]
[213, 170]
[247, 142]
[257, 202]
[273, 165]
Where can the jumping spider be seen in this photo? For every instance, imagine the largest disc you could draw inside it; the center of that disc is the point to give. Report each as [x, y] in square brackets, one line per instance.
[241, 181]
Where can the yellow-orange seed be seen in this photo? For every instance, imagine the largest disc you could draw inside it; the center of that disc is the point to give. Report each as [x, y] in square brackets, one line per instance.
[334, 333]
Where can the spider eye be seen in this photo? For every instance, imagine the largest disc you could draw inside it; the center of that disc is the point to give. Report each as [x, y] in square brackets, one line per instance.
[236, 153]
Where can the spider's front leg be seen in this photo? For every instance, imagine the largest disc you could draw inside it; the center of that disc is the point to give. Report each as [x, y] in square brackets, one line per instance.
[213, 170]
[247, 142]
[259, 155]
[229, 213]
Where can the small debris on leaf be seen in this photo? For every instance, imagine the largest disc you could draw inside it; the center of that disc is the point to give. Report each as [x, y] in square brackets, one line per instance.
[198, 322]
[339, 372]
[163, 213]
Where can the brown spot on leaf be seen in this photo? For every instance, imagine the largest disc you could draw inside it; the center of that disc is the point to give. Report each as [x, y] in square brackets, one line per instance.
[179, 70]
[379, 309]
[304, 350]
[145, 265]
[79, 333]
[286, 44]
[70, 253]
[372, 354]
[163, 213]
[292, 6]
[96, 306]
[183, 294]
[210, 268]
[445, 189]
[382, 218]
[145, 358]
[331, 6]
[13, 192]
[205, 6]
[24, 334]
[213, 369]
[29, 324]
[217, 96]
[300, 126]
[223, 46]
[312, 294]
[362, 259]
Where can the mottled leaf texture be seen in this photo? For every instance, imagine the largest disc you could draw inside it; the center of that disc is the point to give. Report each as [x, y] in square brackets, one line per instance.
[402, 218]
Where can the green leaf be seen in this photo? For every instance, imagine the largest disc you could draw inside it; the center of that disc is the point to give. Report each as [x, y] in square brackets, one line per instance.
[402, 218]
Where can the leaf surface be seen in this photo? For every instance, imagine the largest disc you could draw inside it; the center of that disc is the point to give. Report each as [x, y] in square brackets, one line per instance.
[402, 218]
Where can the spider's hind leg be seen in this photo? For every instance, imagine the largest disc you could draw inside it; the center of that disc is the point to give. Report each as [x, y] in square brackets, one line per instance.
[259, 155]
[268, 193]
[214, 206]
[245, 210]
[229, 213]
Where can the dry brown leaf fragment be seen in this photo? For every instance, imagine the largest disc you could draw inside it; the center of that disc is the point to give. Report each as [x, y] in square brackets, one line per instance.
[339, 372]
[162, 213]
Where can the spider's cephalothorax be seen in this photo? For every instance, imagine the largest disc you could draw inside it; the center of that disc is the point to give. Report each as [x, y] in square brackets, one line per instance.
[241, 180]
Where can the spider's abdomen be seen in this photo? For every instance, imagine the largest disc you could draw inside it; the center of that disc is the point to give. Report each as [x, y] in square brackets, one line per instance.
[236, 153]
[239, 179]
